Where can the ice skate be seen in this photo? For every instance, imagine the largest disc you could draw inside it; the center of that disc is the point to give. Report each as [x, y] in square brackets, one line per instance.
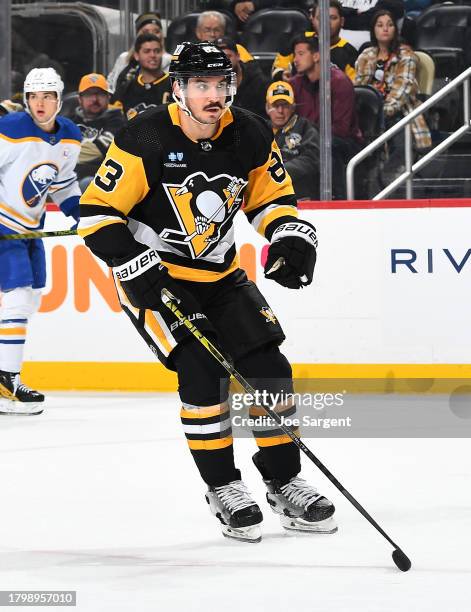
[18, 399]
[239, 514]
[300, 506]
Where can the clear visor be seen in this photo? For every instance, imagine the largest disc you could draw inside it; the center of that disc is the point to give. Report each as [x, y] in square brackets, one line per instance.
[213, 88]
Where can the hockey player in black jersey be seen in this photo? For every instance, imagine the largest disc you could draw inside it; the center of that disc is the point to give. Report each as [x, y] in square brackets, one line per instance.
[160, 212]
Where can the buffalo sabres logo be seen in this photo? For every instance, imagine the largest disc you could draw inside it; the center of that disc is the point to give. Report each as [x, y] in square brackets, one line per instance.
[268, 314]
[37, 182]
[203, 207]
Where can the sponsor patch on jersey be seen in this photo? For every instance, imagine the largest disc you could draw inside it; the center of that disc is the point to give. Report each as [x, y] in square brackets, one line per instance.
[202, 206]
[175, 160]
[37, 182]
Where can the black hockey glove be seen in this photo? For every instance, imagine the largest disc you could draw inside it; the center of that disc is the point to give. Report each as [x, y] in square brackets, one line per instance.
[292, 254]
[142, 278]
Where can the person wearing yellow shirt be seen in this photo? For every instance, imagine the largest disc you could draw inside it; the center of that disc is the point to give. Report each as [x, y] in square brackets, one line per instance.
[342, 53]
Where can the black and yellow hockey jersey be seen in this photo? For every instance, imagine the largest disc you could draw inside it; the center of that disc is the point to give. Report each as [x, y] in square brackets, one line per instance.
[135, 96]
[179, 196]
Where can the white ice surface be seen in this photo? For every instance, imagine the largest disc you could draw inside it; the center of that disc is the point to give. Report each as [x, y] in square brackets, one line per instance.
[100, 495]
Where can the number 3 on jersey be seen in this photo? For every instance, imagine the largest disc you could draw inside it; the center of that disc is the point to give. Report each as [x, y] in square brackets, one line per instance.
[276, 168]
[111, 178]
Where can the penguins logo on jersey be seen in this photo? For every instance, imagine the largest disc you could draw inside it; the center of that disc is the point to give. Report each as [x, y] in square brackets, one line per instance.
[37, 182]
[203, 207]
[268, 314]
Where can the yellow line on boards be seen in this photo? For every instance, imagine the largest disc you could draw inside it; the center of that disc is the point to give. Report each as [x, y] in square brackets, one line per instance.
[153, 377]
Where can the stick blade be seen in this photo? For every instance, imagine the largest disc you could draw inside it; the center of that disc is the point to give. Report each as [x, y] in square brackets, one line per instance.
[401, 560]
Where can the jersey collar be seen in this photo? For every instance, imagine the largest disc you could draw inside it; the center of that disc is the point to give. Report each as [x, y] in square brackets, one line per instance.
[225, 120]
[141, 82]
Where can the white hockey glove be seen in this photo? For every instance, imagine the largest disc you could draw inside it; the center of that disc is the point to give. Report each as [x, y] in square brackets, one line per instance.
[292, 254]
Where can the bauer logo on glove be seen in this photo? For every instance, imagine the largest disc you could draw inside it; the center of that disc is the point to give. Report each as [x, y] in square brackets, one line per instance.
[292, 254]
[137, 266]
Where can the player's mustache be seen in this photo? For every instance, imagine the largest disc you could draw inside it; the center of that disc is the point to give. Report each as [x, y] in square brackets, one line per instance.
[213, 105]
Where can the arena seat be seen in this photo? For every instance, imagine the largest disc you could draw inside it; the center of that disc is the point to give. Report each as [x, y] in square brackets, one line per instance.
[369, 108]
[270, 30]
[444, 31]
[425, 74]
[182, 29]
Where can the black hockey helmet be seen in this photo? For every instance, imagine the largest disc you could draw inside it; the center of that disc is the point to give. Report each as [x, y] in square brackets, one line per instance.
[199, 59]
[202, 59]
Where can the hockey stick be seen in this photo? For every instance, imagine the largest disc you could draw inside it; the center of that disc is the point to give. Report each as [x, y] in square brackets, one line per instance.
[277, 265]
[399, 557]
[31, 235]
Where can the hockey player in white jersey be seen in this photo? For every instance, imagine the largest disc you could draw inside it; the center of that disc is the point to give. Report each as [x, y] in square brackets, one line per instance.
[38, 154]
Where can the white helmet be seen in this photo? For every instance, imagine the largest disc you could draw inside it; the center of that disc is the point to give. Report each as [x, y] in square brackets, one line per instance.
[43, 79]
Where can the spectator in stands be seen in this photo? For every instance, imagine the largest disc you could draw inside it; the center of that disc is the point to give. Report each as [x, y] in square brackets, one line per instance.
[243, 9]
[297, 139]
[359, 13]
[346, 135]
[211, 25]
[251, 82]
[150, 86]
[98, 123]
[146, 23]
[342, 53]
[390, 67]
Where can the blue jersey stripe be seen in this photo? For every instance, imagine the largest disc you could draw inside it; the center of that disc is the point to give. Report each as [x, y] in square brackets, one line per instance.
[13, 321]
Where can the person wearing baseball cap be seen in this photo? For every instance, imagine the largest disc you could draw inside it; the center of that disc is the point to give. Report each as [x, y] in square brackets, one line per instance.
[145, 19]
[126, 66]
[297, 139]
[98, 123]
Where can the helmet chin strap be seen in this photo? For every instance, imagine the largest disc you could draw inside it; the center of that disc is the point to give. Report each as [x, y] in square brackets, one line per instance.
[28, 110]
[182, 104]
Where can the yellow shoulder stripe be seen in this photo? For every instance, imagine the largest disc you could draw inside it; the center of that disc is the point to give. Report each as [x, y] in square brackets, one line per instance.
[120, 181]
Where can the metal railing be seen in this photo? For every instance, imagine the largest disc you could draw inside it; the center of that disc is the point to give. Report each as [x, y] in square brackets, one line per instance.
[169, 9]
[405, 123]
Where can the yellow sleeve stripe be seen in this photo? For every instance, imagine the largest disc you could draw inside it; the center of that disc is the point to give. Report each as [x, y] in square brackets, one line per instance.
[275, 213]
[124, 181]
[86, 231]
[262, 189]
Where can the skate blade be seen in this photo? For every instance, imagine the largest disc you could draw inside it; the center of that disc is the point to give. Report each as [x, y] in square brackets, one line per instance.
[328, 525]
[15, 408]
[252, 534]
